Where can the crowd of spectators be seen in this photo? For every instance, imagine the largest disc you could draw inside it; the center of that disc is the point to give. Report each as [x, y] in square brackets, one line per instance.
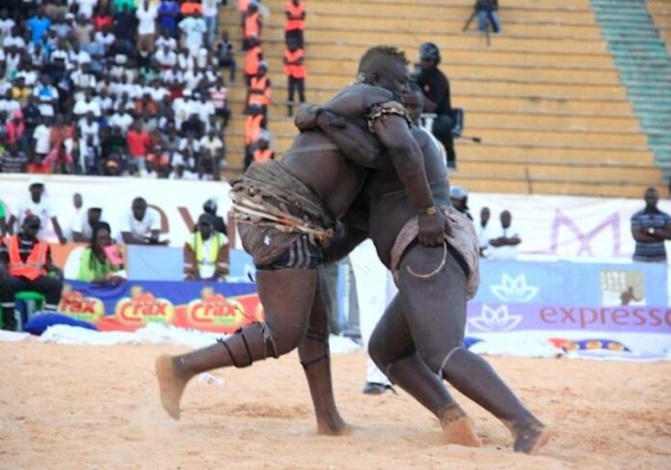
[108, 87]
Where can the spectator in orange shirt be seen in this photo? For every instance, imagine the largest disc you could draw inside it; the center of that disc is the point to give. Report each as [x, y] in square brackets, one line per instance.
[254, 125]
[263, 153]
[59, 161]
[253, 57]
[295, 70]
[191, 6]
[260, 89]
[251, 25]
[60, 132]
[138, 144]
[295, 22]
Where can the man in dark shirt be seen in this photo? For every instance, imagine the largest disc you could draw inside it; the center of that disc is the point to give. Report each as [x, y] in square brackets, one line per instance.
[650, 227]
[24, 263]
[436, 89]
[210, 207]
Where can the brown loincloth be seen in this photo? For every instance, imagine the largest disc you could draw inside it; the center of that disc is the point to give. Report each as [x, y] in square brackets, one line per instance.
[273, 209]
[463, 238]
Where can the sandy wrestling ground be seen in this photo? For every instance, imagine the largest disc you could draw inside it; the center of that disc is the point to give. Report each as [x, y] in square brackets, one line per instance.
[74, 407]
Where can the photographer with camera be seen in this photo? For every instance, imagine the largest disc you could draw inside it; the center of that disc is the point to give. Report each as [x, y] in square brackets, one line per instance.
[436, 89]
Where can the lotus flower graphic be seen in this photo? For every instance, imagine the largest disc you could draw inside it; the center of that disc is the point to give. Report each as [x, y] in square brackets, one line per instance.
[495, 319]
[514, 290]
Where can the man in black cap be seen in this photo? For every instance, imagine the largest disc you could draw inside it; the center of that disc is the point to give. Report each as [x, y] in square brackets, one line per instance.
[206, 252]
[436, 89]
[24, 264]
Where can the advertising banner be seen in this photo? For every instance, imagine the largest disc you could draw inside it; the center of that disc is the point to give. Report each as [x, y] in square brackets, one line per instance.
[214, 307]
[554, 227]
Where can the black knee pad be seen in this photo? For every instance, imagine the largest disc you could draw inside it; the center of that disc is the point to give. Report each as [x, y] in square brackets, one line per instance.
[319, 338]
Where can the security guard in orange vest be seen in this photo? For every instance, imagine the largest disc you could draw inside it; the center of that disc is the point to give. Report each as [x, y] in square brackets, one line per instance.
[262, 153]
[24, 263]
[260, 89]
[295, 70]
[254, 125]
[251, 25]
[295, 22]
[253, 57]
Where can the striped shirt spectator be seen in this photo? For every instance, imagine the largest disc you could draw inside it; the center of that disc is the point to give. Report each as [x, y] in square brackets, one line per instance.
[13, 160]
[650, 227]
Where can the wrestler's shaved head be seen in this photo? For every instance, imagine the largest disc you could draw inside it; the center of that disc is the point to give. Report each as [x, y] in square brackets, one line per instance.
[378, 58]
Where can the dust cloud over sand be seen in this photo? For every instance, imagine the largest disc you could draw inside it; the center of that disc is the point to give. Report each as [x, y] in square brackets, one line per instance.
[88, 407]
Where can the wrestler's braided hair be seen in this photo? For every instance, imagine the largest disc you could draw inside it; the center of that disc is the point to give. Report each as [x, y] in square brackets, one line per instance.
[380, 52]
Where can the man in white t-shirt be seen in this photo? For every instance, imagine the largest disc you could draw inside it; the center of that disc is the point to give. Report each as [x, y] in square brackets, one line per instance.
[193, 30]
[37, 205]
[83, 232]
[74, 216]
[42, 136]
[146, 14]
[86, 7]
[141, 226]
[504, 239]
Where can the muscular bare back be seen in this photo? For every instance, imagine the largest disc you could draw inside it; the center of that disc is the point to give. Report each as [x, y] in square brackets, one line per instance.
[316, 161]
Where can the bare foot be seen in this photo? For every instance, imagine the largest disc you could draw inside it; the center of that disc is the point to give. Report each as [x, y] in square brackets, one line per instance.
[171, 386]
[458, 428]
[337, 427]
[530, 437]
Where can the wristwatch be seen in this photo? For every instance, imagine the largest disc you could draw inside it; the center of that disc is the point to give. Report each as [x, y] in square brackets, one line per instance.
[651, 230]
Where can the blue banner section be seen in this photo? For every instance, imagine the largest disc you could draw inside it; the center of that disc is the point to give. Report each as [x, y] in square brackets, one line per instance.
[566, 283]
[145, 292]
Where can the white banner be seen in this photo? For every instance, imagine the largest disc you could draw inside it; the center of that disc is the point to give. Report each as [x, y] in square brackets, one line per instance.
[552, 227]
[178, 203]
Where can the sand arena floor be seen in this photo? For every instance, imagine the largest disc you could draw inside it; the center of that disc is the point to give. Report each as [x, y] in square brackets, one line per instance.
[89, 407]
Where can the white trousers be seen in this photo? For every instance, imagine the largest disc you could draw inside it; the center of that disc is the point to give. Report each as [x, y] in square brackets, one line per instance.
[375, 289]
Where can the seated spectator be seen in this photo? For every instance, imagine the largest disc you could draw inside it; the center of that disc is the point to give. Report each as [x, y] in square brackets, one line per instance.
[147, 15]
[504, 239]
[86, 105]
[59, 161]
[86, 7]
[13, 160]
[47, 96]
[166, 39]
[141, 226]
[168, 13]
[27, 262]
[488, 14]
[459, 198]
[138, 144]
[38, 25]
[254, 124]
[16, 130]
[60, 132]
[212, 155]
[263, 153]
[166, 57]
[193, 29]
[101, 261]
[83, 30]
[219, 98]
[206, 253]
[102, 18]
[226, 55]
[211, 17]
[42, 141]
[20, 91]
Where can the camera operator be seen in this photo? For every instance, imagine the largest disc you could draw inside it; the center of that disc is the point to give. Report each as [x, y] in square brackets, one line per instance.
[436, 89]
